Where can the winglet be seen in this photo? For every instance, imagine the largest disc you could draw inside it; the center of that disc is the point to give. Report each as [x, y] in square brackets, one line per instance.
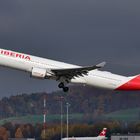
[101, 64]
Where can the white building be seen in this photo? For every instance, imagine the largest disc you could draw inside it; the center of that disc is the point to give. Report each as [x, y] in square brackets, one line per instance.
[126, 137]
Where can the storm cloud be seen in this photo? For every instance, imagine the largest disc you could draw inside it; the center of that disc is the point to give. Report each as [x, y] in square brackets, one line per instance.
[83, 32]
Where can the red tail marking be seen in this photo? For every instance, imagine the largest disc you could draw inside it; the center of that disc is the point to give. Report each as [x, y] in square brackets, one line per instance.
[133, 84]
[103, 133]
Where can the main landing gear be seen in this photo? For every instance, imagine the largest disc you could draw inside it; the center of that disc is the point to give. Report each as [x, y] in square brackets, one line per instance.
[61, 85]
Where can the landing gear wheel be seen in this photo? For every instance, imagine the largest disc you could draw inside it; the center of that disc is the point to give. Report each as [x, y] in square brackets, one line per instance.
[61, 85]
[65, 89]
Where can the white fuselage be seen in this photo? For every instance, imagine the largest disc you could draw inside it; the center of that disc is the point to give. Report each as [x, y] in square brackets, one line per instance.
[102, 136]
[85, 138]
[24, 62]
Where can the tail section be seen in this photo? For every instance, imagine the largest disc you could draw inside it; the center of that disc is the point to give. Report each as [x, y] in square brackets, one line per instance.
[133, 83]
[102, 135]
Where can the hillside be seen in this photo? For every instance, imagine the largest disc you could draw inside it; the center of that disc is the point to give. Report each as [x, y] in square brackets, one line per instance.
[34, 119]
[84, 100]
[129, 115]
[124, 115]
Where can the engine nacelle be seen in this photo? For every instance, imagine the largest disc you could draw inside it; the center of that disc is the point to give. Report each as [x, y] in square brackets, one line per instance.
[39, 73]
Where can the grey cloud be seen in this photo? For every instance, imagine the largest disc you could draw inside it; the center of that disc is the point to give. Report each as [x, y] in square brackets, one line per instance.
[82, 32]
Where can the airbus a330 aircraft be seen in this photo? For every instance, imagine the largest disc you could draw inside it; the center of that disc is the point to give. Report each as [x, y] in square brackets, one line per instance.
[67, 73]
[102, 136]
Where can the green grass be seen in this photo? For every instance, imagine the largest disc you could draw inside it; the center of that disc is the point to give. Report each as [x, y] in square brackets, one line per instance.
[124, 115]
[39, 118]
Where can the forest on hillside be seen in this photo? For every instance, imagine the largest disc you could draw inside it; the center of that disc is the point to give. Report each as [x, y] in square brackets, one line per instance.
[86, 100]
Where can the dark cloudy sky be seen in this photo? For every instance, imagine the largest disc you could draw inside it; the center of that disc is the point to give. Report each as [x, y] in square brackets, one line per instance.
[83, 32]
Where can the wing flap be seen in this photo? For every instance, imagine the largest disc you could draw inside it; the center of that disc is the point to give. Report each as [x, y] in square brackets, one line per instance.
[75, 72]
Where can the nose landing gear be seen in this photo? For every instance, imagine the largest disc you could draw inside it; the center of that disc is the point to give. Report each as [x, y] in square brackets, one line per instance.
[65, 89]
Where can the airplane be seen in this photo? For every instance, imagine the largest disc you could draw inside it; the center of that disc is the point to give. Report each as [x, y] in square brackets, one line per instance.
[102, 136]
[65, 73]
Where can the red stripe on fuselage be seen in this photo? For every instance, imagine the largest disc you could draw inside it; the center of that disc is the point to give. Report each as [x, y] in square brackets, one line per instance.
[133, 84]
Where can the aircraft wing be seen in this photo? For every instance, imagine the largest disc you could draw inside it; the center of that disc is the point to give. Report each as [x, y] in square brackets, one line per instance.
[75, 72]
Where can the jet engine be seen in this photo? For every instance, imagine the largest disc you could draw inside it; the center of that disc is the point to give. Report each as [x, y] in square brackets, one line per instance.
[38, 73]
[41, 73]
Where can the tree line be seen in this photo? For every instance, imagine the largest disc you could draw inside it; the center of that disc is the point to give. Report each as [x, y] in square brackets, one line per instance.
[85, 100]
[53, 131]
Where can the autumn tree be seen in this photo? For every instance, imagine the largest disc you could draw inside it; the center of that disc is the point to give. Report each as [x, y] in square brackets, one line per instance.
[4, 133]
[18, 133]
